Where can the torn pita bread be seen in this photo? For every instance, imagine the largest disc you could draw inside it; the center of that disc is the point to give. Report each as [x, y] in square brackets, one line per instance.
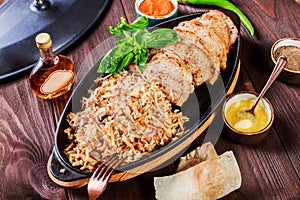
[202, 153]
[210, 179]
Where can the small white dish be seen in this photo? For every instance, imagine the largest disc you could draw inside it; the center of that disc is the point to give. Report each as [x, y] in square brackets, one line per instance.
[249, 137]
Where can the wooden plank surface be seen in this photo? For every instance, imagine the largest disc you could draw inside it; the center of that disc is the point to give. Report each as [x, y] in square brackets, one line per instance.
[270, 170]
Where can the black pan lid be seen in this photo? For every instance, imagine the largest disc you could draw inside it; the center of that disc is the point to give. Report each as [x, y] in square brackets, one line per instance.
[65, 21]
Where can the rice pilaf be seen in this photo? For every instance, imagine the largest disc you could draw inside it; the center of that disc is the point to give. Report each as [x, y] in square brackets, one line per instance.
[126, 115]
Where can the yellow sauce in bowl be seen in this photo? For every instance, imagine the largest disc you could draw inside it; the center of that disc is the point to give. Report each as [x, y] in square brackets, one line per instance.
[243, 121]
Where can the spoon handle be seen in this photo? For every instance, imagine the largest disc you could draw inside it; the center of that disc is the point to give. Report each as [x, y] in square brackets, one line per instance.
[280, 64]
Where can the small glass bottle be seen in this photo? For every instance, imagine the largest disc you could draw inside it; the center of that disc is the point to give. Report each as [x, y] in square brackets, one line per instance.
[53, 74]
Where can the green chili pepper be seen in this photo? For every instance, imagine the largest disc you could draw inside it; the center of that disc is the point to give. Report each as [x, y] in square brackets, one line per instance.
[226, 5]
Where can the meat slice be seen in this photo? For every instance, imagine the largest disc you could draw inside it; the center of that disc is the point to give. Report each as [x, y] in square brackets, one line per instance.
[218, 26]
[189, 37]
[204, 45]
[218, 19]
[209, 38]
[195, 59]
[174, 78]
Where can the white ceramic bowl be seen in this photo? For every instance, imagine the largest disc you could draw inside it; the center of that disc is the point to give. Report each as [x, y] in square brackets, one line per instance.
[253, 137]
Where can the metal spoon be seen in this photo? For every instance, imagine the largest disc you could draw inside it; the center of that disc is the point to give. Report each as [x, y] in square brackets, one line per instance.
[280, 64]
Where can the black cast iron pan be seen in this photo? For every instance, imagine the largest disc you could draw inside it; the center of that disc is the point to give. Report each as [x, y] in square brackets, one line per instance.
[199, 107]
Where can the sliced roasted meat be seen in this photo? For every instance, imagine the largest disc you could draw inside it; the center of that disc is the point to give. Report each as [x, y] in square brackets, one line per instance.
[215, 29]
[175, 79]
[217, 19]
[209, 38]
[204, 45]
[195, 59]
[218, 26]
[189, 37]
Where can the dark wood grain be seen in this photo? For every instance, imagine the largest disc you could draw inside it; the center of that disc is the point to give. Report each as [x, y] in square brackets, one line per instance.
[270, 169]
[26, 137]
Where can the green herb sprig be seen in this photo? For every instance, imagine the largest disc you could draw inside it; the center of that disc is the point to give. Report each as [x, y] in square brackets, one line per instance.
[135, 40]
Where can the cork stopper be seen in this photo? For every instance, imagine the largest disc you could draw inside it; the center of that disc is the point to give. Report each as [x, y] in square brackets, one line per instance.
[43, 41]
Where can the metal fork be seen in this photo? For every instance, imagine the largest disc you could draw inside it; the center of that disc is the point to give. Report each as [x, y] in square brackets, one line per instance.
[101, 176]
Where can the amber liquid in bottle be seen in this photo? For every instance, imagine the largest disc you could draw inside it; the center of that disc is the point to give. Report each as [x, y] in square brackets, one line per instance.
[53, 75]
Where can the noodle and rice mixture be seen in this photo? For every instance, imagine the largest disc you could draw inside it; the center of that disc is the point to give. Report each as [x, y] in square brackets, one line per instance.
[125, 115]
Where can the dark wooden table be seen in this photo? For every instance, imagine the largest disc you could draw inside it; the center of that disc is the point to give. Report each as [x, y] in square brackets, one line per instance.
[270, 170]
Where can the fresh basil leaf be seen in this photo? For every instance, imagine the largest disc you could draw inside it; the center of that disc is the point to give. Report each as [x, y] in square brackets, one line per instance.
[125, 41]
[123, 28]
[110, 62]
[161, 37]
[139, 36]
[115, 31]
[107, 64]
[125, 61]
[140, 22]
[118, 30]
[133, 45]
[141, 57]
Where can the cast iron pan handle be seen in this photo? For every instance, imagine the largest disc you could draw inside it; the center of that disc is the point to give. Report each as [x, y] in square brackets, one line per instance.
[63, 175]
